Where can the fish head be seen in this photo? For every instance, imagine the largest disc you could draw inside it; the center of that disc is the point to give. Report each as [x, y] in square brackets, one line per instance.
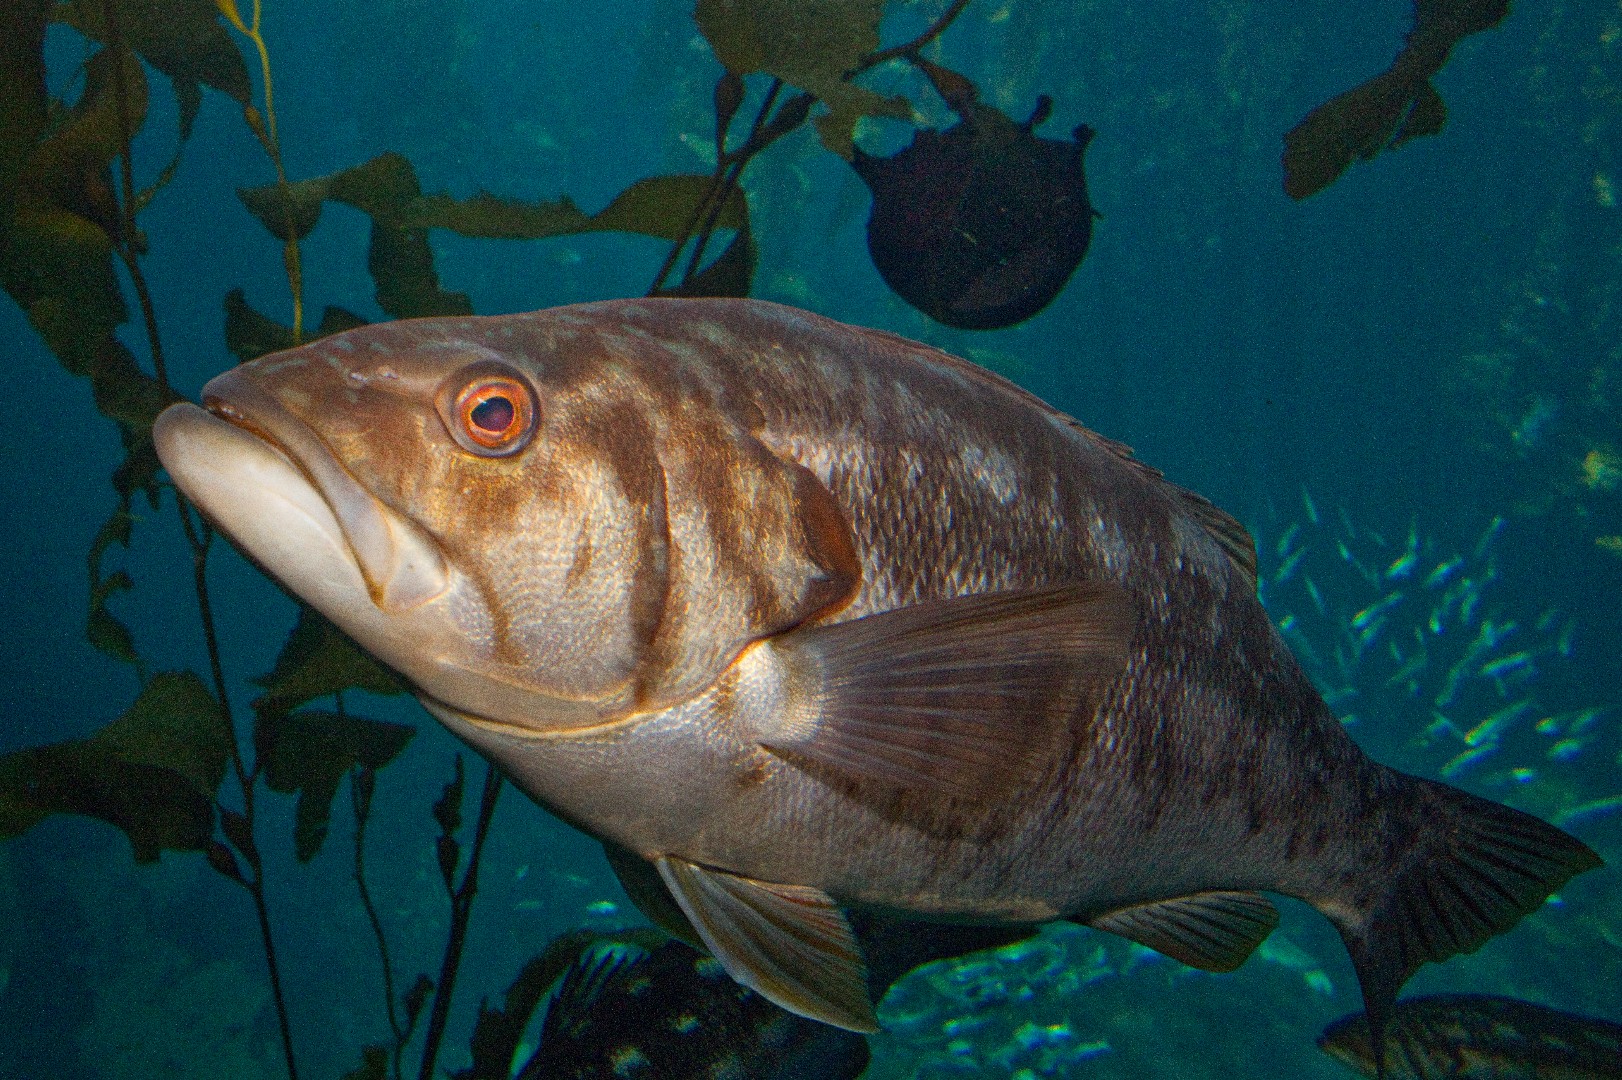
[471, 511]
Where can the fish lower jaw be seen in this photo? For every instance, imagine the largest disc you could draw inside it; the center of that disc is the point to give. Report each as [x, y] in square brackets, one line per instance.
[465, 723]
[258, 497]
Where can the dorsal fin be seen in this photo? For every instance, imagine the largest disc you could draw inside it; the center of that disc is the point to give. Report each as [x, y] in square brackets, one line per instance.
[1233, 538]
[1230, 536]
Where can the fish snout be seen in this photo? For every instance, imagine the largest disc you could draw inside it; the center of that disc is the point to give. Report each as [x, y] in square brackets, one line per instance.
[402, 566]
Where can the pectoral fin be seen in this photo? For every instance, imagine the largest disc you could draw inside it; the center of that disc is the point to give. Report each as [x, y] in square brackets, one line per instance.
[964, 696]
[1213, 931]
[789, 943]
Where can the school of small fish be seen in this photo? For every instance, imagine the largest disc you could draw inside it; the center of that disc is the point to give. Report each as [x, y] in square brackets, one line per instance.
[1413, 643]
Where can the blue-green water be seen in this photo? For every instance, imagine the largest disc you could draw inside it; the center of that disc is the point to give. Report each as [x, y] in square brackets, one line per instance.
[1422, 359]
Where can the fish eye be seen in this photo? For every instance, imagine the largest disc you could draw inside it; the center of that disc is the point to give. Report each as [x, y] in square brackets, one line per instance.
[491, 411]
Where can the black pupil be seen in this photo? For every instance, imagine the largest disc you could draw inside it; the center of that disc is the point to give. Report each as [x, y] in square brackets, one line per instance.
[494, 414]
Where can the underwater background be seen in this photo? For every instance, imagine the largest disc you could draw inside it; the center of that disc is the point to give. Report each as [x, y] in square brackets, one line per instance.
[1407, 385]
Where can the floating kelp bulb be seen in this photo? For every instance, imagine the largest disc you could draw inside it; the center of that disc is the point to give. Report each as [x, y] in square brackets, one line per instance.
[979, 226]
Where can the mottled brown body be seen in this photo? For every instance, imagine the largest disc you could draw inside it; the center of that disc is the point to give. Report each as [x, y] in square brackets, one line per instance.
[708, 482]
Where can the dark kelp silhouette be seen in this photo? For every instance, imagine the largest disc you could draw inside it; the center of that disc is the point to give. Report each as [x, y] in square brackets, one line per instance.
[981, 225]
[1397, 105]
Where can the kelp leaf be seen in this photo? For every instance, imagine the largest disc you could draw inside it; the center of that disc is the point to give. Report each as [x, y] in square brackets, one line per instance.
[56, 257]
[415, 998]
[286, 210]
[250, 335]
[157, 809]
[663, 206]
[59, 268]
[729, 275]
[1386, 111]
[184, 39]
[104, 630]
[1357, 124]
[448, 813]
[177, 725]
[124, 393]
[22, 90]
[69, 169]
[811, 44]
[139, 469]
[659, 206]
[1427, 117]
[152, 772]
[317, 660]
[374, 1065]
[310, 752]
[335, 320]
[491, 217]
[400, 260]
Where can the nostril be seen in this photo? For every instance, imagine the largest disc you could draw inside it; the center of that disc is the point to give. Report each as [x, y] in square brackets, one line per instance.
[223, 409]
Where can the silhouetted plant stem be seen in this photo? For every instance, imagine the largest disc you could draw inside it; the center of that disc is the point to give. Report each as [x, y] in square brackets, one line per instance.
[125, 240]
[723, 180]
[461, 909]
[729, 166]
[896, 52]
[199, 535]
[361, 783]
[266, 133]
[721, 193]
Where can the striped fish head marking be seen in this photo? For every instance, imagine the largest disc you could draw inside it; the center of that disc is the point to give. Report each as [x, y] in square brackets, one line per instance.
[540, 520]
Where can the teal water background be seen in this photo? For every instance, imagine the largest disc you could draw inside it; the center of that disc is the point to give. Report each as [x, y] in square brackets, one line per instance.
[1433, 343]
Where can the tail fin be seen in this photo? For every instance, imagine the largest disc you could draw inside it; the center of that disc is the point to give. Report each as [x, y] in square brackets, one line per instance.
[1473, 869]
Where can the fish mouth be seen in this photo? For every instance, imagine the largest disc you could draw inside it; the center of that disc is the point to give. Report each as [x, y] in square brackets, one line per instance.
[268, 482]
[276, 454]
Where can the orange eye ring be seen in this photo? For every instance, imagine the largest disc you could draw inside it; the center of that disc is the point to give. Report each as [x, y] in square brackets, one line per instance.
[493, 414]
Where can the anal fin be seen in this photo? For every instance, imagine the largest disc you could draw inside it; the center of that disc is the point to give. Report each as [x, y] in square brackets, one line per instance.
[1212, 931]
[789, 943]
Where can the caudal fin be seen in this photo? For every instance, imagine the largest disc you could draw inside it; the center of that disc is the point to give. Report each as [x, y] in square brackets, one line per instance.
[1471, 870]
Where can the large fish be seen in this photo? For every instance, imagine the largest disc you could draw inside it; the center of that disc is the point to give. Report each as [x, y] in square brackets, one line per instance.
[797, 618]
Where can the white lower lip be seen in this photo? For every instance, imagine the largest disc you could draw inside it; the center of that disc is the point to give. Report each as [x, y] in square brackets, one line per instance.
[262, 501]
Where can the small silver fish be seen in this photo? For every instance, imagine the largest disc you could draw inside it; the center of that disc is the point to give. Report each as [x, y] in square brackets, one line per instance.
[1504, 665]
[805, 621]
[1443, 572]
[1287, 569]
[1494, 527]
[1376, 609]
[1490, 728]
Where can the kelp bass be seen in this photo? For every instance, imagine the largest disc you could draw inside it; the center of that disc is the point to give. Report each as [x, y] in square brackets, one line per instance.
[797, 618]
